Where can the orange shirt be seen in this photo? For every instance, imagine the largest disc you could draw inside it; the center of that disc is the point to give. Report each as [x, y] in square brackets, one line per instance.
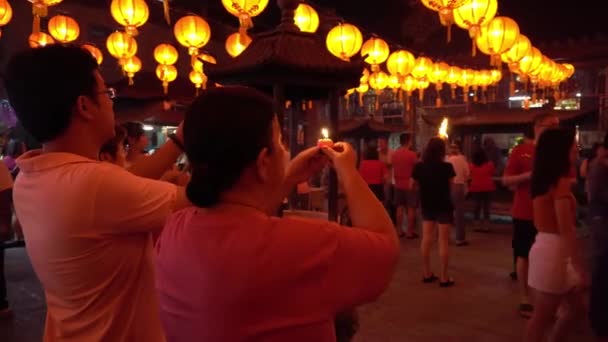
[87, 228]
[239, 275]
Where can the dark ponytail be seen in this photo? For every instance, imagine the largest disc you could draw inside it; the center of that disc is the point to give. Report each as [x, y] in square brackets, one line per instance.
[225, 129]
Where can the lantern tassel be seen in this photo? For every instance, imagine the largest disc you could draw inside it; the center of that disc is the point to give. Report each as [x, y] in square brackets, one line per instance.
[131, 82]
[453, 88]
[36, 24]
[474, 49]
[449, 33]
[166, 88]
[512, 85]
[166, 11]
[421, 94]
[407, 101]
[360, 99]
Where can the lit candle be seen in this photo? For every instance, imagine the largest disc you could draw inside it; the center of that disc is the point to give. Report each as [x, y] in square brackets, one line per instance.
[325, 141]
[443, 129]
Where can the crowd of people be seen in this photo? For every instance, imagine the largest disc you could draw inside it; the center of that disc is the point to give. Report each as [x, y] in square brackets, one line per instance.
[129, 248]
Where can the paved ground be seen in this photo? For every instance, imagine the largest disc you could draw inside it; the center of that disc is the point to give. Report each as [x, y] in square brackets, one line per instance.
[481, 307]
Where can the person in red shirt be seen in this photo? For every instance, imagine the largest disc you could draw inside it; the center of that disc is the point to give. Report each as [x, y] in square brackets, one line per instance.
[517, 177]
[403, 161]
[227, 270]
[481, 187]
[374, 172]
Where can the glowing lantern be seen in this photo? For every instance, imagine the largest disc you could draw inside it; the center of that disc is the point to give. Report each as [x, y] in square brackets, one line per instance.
[497, 37]
[531, 61]
[393, 82]
[198, 79]
[192, 32]
[467, 79]
[121, 45]
[569, 68]
[408, 85]
[375, 51]
[344, 41]
[365, 77]
[422, 67]
[443, 129]
[131, 66]
[236, 43]
[474, 14]
[6, 13]
[63, 28]
[452, 78]
[40, 10]
[95, 52]
[245, 10]
[521, 47]
[165, 54]
[421, 85]
[400, 63]
[496, 76]
[378, 80]
[363, 88]
[167, 74]
[130, 13]
[40, 39]
[437, 75]
[445, 10]
[306, 18]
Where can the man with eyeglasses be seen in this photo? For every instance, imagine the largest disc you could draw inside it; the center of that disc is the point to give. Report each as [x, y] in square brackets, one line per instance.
[517, 176]
[88, 225]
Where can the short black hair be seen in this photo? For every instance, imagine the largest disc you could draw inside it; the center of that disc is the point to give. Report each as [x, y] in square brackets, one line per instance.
[479, 156]
[238, 117]
[111, 146]
[404, 139]
[43, 85]
[371, 153]
[134, 129]
[551, 160]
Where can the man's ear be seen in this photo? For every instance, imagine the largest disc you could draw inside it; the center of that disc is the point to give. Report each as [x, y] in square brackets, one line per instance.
[263, 165]
[83, 107]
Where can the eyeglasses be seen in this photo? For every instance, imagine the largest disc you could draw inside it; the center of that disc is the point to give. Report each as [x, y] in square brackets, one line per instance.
[111, 92]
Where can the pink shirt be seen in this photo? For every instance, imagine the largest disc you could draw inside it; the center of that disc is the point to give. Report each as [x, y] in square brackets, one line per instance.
[87, 229]
[403, 161]
[244, 276]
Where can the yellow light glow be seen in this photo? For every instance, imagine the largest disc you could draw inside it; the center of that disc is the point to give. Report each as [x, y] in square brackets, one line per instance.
[443, 129]
[325, 133]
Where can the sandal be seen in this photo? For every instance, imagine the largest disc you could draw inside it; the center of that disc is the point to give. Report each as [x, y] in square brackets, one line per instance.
[429, 279]
[448, 283]
[526, 310]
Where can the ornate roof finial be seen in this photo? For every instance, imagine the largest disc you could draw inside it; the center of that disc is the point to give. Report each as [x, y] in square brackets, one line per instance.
[288, 10]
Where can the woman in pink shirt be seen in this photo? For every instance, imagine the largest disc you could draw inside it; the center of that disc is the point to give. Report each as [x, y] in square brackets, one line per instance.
[374, 172]
[481, 188]
[227, 269]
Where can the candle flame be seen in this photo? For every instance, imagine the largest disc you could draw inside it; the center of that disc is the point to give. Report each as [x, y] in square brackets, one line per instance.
[325, 133]
[443, 129]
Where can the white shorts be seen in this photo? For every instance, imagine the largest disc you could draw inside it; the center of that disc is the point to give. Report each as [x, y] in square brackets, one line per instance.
[550, 269]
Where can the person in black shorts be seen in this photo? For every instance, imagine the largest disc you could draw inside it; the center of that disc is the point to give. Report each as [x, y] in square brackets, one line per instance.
[433, 178]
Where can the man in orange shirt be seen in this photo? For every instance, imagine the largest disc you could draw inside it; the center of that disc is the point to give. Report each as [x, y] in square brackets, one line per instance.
[517, 176]
[403, 162]
[88, 224]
